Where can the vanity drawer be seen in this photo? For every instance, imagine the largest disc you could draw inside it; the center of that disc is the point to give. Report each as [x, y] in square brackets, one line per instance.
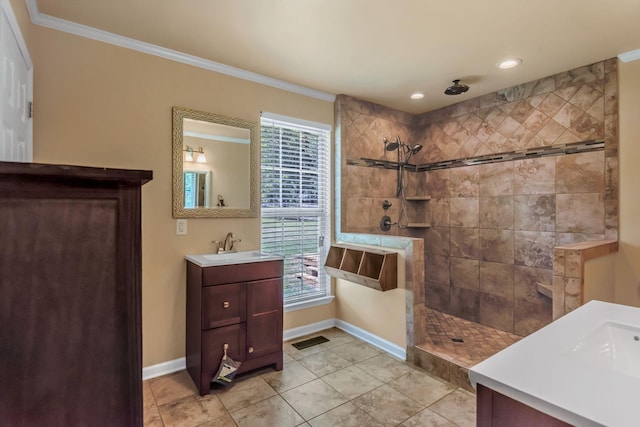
[246, 272]
[223, 305]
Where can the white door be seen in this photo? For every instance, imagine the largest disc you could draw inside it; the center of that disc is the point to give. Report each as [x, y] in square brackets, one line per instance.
[16, 85]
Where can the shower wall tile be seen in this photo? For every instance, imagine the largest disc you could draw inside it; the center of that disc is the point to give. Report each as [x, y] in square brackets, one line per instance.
[438, 183]
[496, 179]
[356, 221]
[437, 268]
[465, 243]
[611, 219]
[465, 273]
[416, 183]
[526, 278]
[570, 238]
[433, 364]
[497, 312]
[436, 241]
[580, 173]
[529, 317]
[534, 249]
[551, 104]
[463, 212]
[535, 212]
[497, 279]
[496, 245]
[580, 213]
[558, 297]
[465, 303]
[438, 212]
[572, 294]
[463, 182]
[436, 295]
[573, 264]
[559, 258]
[378, 211]
[497, 212]
[612, 179]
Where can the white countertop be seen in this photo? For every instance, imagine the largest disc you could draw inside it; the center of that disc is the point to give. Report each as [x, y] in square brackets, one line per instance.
[228, 258]
[552, 370]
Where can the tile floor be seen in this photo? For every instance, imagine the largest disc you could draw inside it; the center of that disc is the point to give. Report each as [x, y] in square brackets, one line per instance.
[344, 382]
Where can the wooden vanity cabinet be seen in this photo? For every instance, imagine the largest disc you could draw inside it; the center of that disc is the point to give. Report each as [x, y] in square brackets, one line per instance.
[496, 410]
[239, 305]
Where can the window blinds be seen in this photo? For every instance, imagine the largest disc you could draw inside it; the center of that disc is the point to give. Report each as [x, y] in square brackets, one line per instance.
[295, 183]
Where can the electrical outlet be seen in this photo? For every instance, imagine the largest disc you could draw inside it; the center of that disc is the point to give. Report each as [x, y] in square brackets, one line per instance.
[181, 227]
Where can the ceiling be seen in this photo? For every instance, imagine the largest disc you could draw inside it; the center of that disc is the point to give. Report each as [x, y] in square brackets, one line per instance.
[377, 50]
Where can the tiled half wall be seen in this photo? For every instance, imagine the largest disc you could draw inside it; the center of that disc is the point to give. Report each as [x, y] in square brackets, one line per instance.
[493, 226]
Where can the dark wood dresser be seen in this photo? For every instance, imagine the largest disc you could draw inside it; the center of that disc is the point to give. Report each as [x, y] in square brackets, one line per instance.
[70, 295]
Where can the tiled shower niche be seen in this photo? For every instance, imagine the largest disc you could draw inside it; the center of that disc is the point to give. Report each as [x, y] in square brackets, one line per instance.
[493, 226]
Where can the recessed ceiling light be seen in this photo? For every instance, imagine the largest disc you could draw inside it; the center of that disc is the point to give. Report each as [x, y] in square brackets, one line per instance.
[417, 95]
[509, 63]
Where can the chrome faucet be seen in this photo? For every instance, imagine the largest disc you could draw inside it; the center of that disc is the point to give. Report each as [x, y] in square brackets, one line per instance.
[229, 243]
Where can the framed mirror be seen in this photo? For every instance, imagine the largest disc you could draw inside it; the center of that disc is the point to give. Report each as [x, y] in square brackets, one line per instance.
[215, 165]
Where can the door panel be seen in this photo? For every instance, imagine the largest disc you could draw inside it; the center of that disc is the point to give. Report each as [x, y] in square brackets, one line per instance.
[264, 317]
[16, 88]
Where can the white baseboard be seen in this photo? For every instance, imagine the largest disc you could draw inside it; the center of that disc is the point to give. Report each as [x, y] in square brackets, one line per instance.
[311, 328]
[164, 368]
[175, 365]
[384, 345]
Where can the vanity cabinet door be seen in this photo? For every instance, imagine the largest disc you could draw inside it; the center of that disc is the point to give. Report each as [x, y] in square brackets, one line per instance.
[213, 342]
[264, 317]
[223, 305]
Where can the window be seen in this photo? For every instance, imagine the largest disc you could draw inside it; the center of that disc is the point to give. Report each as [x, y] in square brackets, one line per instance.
[295, 182]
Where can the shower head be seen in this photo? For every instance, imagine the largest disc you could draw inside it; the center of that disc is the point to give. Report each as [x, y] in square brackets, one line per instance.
[390, 146]
[456, 89]
[416, 148]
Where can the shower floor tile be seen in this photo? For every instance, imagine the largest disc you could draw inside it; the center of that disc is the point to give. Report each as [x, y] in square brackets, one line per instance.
[453, 345]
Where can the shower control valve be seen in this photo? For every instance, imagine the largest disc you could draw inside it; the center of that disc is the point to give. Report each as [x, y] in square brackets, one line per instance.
[386, 205]
[385, 223]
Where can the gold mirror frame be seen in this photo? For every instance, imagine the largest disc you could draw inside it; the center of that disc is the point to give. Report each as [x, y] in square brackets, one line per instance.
[179, 210]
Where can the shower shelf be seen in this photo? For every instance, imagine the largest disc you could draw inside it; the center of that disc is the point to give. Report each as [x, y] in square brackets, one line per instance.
[374, 268]
[418, 199]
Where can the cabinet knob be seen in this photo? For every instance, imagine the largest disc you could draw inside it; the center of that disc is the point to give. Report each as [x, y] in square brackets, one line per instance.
[250, 349]
[225, 304]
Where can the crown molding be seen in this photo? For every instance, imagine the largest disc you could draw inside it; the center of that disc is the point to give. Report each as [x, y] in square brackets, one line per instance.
[54, 23]
[632, 55]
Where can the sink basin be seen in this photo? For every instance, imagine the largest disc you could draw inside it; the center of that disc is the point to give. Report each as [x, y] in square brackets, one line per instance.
[612, 346]
[583, 368]
[209, 260]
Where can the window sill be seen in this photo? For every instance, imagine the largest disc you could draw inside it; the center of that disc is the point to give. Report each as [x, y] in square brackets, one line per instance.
[308, 304]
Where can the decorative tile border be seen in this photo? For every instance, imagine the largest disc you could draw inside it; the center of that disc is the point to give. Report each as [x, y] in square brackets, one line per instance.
[530, 153]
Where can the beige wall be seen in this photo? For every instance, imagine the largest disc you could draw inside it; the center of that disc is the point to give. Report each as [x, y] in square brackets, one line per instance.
[599, 279]
[382, 314]
[627, 272]
[101, 105]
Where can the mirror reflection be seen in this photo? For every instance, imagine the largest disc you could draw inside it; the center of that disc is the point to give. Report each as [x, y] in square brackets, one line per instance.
[215, 164]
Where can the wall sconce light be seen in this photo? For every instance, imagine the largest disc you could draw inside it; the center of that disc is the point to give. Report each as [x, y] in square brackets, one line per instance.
[189, 156]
